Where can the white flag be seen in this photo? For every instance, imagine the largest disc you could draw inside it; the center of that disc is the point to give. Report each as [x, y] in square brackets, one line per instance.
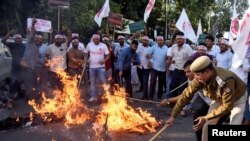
[184, 25]
[148, 10]
[243, 20]
[234, 27]
[103, 12]
[241, 44]
[199, 30]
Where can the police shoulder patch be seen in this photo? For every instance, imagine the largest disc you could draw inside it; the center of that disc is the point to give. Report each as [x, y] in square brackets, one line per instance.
[220, 82]
[227, 90]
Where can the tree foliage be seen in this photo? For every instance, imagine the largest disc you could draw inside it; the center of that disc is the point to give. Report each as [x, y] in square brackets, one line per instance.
[80, 15]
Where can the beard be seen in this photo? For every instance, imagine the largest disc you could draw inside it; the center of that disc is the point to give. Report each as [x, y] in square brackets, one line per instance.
[75, 46]
[58, 44]
[38, 44]
[133, 51]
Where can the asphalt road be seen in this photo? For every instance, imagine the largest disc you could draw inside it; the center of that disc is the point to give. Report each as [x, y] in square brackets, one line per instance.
[180, 131]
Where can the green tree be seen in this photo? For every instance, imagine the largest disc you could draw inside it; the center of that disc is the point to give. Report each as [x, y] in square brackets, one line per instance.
[223, 12]
[9, 13]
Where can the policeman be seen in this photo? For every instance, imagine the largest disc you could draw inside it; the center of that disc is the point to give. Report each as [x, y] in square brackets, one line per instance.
[226, 90]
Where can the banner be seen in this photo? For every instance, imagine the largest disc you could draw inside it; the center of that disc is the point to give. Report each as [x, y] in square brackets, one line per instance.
[58, 3]
[137, 26]
[148, 10]
[234, 27]
[184, 25]
[103, 12]
[115, 19]
[241, 44]
[41, 25]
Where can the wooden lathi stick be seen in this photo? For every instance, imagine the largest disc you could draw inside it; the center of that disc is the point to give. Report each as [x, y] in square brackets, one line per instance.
[159, 132]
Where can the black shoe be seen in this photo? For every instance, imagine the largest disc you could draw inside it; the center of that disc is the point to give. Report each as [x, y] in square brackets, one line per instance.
[138, 91]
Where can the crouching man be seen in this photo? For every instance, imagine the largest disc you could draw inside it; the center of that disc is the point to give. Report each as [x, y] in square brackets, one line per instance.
[225, 88]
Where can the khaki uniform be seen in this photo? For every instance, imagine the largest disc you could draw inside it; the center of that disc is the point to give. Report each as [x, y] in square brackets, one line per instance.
[228, 93]
[225, 88]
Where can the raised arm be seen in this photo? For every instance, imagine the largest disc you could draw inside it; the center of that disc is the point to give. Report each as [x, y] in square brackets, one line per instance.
[5, 38]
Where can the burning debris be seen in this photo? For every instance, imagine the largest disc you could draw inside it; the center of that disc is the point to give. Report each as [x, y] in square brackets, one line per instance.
[114, 115]
[122, 117]
[65, 104]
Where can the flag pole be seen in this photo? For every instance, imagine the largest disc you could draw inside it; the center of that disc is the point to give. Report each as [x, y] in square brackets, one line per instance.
[107, 28]
[145, 29]
[114, 34]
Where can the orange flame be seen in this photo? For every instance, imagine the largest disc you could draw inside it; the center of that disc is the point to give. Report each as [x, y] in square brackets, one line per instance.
[17, 119]
[122, 117]
[31, 116]
[65, 104]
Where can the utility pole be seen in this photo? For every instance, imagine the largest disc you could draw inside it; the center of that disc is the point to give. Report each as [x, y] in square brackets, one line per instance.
[58, 18]
[166, 19]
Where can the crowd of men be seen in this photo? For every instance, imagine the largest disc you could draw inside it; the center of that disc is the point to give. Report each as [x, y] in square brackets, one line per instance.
[167, 64]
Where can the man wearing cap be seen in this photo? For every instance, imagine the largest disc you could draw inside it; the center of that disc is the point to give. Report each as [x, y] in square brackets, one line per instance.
[226, 90]
[143, 69]
[118, 47]
[224, 58]
[98, 55]
[179, 54]
[158, 54]
[199, 103]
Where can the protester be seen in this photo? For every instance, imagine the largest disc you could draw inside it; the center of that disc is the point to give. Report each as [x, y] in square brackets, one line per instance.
[17, 50]
[109, 64]
[143, 69]
[179, 53]
[35, 74]
[168, 43]
[158, 54]
[98, 55]
[202, 50]
[118, 47]
[76, 58]
[56, 57]
[80, 44]
[127, 57]
[170, 74]
[212, 48]
[224, 58]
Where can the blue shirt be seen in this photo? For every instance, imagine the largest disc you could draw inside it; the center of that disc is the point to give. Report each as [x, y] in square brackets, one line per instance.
[118, 48]
[117, 51]
[42, 53]
[159, 57]
[124, 60]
